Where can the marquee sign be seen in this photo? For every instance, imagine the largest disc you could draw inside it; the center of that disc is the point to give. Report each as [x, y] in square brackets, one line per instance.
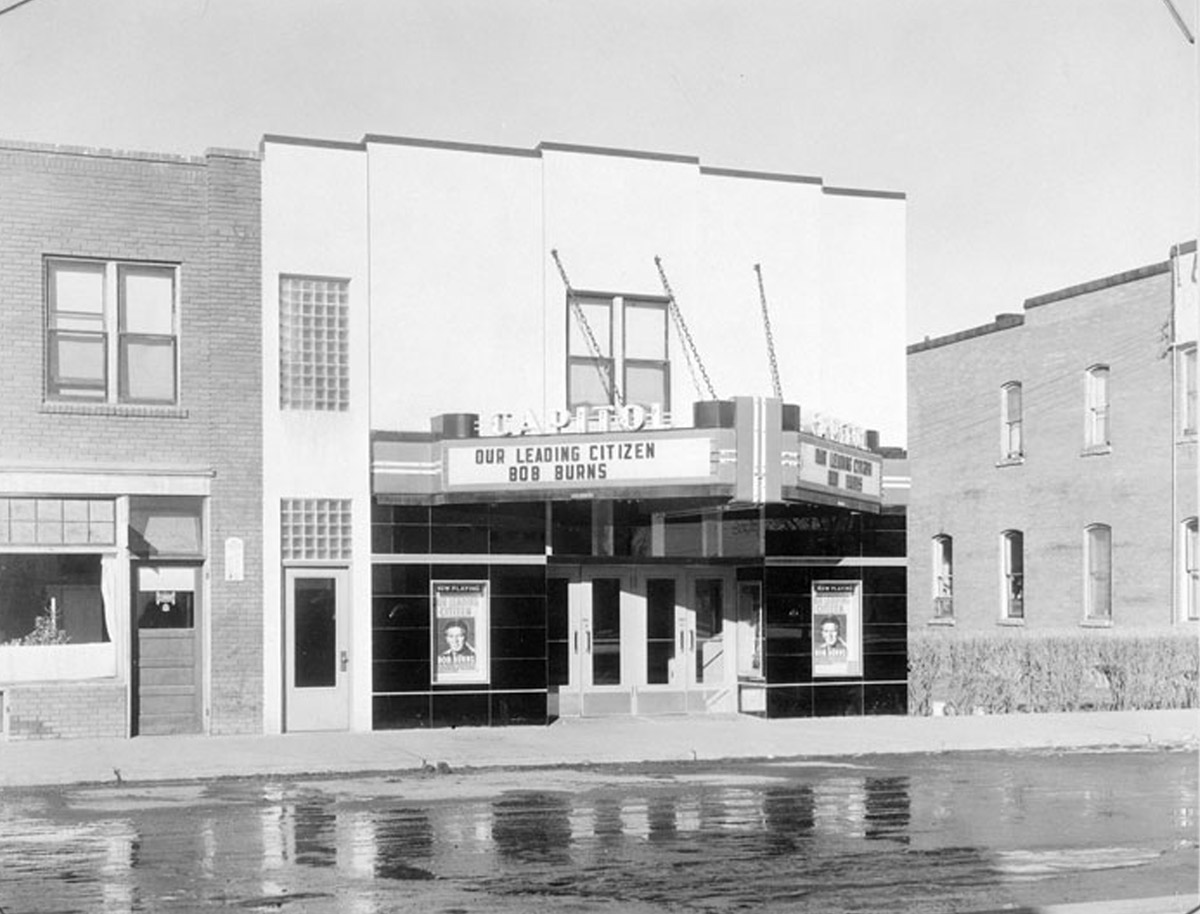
[557, 463]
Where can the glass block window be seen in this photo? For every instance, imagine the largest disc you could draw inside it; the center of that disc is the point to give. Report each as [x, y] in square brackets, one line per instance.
[314, 343]
[315, 529]
[57, 521]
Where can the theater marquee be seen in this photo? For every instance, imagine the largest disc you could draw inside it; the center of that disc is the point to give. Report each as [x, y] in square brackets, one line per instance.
[566, 464]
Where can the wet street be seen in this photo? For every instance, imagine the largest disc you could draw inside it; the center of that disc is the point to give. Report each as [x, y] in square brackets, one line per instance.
[953, 832]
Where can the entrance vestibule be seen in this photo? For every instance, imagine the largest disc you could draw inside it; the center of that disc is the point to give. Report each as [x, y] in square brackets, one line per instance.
[644, 640]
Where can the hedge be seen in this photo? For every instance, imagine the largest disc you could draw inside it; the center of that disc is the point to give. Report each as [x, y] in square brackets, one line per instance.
[996, 674]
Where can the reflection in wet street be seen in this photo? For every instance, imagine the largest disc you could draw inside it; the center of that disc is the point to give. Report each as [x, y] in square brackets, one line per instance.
[963, 832]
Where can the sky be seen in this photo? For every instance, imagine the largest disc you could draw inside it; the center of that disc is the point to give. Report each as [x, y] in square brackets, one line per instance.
[1040, 143]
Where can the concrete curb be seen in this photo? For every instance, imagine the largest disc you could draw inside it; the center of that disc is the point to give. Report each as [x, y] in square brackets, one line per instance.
[580, 742]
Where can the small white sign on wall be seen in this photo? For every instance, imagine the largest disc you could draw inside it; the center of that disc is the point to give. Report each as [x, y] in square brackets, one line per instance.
[235, 559]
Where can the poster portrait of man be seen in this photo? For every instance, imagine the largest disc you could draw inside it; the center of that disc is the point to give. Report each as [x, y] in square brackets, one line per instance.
[459, 629]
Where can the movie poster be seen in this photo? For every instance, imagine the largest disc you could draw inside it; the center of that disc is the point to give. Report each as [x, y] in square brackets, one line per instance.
[836, 628]
[460, 631]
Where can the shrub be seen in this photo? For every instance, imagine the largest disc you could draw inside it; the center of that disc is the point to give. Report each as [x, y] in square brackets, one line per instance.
[999, 674]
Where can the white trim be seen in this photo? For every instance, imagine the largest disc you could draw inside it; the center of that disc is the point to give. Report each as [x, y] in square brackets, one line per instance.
[105, 480]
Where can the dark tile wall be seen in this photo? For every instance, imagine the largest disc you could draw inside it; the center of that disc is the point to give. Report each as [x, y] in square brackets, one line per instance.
[791, 689]
[402, 665]
[509, 529]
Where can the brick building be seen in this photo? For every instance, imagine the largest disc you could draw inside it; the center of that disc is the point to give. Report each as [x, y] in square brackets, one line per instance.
[1053, 462]
[130, 481]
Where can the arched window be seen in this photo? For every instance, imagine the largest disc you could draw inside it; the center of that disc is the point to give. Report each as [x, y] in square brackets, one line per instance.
[1012, 546]
[1097, 597]
[1190, 592]
[1011, 441]
[1095, 434]
[943, 576]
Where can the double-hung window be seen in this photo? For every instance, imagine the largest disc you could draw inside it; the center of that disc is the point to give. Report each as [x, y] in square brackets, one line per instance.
[1095, 433]
[590, 352]
[617, 350]
[1190, 596]
[1098, 571]
[112, 331]
[1012, 548]
[1011, 441]
[1187, 390]
[943, 577]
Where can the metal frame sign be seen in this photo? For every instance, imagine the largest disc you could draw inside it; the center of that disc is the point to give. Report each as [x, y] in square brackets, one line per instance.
[837, 629]
[460, 628]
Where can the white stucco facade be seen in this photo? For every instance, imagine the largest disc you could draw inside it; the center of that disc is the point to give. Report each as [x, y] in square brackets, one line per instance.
[457, 305]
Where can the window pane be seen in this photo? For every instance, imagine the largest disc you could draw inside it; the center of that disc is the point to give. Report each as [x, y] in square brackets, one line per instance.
[51, 599]
[161, 525]
[77, 287]
[606, 628]
[660, 630]
[1099, 599]
[1013, 402]
[148, 369]
[148, 300]
[598, 314]
[646, 331]
[586, 380]
[646, 384]
[77, 364]
[315, 658]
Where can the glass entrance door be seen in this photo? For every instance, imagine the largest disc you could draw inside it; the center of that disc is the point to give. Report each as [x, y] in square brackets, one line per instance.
[640, 641]
[317, 692]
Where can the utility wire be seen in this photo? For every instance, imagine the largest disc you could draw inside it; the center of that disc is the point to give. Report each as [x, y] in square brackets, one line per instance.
[13, 6]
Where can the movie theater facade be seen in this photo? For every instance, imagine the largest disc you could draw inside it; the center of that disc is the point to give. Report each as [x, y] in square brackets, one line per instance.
[499, 483]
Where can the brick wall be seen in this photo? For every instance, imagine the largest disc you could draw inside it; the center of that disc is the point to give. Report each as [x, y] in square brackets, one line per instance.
[204, 214]
[72, 710]
[959, 489]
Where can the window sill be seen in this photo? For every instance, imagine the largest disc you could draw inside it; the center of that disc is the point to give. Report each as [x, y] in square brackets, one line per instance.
[1011, 461]
[1096, 623]
[1187, 436]
[114, 409]
[1011, 623]
[947, 622]
[1096, 450]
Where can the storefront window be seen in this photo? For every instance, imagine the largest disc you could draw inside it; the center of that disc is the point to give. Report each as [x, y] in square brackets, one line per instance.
[48, 599]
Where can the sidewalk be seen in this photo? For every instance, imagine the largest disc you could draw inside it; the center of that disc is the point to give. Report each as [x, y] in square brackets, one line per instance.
[577, 741]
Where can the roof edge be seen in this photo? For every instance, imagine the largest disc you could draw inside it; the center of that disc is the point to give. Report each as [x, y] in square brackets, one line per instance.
[1002, 322]
[620, 153]
[100, 152]
[859, 192]
[1096, 285]
[285, 140]
[759, 175]
[383, 139]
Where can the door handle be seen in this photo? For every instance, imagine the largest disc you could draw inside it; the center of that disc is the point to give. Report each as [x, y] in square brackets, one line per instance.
[345, 660]
[693, 636]
[589, 642]
[575, 642]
